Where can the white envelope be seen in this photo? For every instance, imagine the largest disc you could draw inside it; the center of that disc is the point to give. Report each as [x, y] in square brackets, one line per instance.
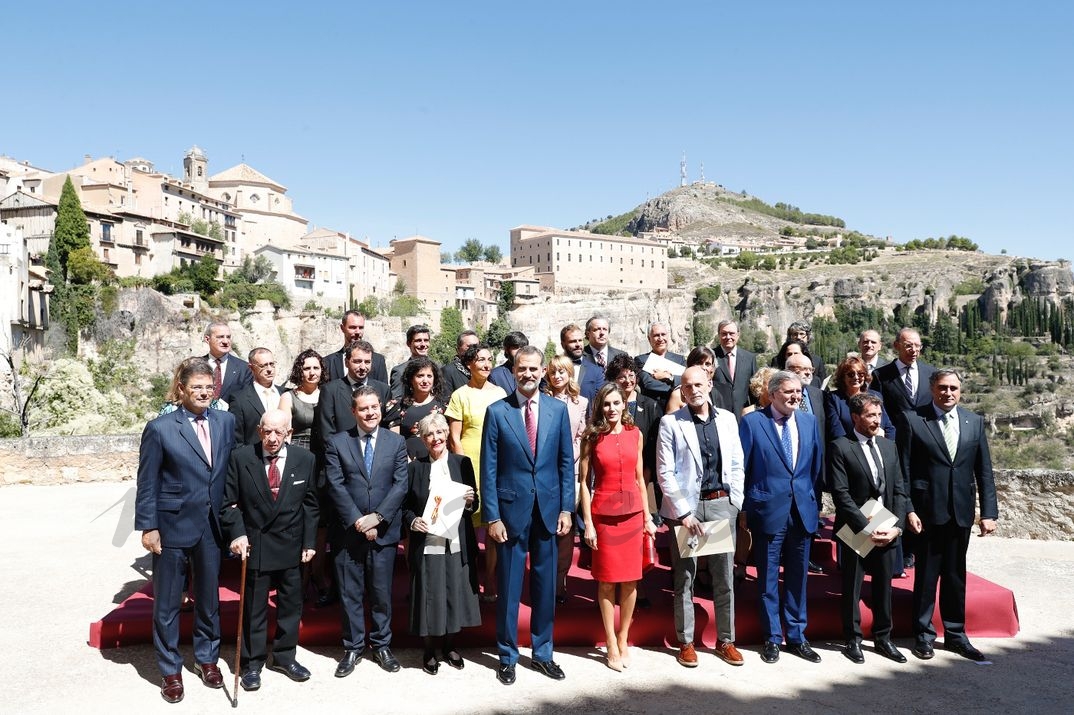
[717, 537]
[880, 519]
[444, 508]
[658, 362]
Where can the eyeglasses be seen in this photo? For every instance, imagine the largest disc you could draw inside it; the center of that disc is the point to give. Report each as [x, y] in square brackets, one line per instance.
[202, 389]
[856, 376]
[263, 365]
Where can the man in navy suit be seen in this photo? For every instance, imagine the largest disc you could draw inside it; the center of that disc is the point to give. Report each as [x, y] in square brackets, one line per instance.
[353, 328]
[270, 518]
[367, 479]
[945, 459]
[734, 365]
[782, 452]
[230, 372]
[252, 401]
[903, 382]
[182, 467]
[527, 494]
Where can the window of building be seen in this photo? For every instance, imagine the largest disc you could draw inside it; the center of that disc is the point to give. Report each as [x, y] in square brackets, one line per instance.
[106, 232]
[137, 259]
[105, 255]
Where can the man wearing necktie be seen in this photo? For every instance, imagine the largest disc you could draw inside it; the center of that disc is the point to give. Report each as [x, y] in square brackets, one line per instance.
[782, 458]
[734, 365]
[812, 403]
[864, 465]
[903, 382]
[230, 372]
[945, 460]
[869, 349]
[366, 468]
[527, 494]
[182, 464]
[252, 401]
[598, 353]
[270, 518]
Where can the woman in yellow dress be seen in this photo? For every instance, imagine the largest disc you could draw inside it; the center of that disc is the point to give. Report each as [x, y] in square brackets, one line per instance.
[466, 415]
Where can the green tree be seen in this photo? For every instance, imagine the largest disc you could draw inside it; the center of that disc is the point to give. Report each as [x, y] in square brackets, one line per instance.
[470, 251]
[203, 274]
[369, 307]
[442, 348]
[498, 329]
[83, 267]
[492, 253]
[72, 230]
[252, 270]
[507, 297]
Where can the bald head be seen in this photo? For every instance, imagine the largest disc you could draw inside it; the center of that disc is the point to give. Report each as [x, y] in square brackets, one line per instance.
[274, 428]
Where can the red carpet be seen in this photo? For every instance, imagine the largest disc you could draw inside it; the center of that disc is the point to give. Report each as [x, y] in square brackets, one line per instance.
[990, 611]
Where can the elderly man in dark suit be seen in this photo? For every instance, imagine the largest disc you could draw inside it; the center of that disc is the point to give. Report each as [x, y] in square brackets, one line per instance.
[945, 460]
[734, 365]
[252, 401]
[527, 494]
[658, 384]
[903, 382]
[270, 519]
[367, 481]
[182, 465]
[863, 465]
[781, 446]
[353, 328]
[230, 372]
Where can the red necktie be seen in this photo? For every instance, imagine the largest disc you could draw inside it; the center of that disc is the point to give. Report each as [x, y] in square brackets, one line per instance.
[274, 476]
[531, 427]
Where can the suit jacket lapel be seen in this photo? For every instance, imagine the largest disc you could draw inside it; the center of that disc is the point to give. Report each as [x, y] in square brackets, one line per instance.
[259, 477]
[518, 424]
[933, 425]
[187, 430]
[689, 434]
[773, 436]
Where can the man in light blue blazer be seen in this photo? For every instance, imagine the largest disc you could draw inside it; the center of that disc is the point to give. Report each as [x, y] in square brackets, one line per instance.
[699, 467]
[182, 468]
[527, 494]
[783, 459]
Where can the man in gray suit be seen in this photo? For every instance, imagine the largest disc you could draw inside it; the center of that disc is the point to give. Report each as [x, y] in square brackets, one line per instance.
[699, 467]
[734, 365]
[182, 467]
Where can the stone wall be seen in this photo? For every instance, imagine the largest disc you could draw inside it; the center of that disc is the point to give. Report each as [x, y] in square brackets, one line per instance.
[1034, 503]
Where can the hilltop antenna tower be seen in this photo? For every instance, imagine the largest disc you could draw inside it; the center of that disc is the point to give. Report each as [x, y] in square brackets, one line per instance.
[702, 172]
[682, 170]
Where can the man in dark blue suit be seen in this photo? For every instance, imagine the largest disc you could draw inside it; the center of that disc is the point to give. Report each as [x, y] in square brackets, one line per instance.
[230, 372]
[367, 480]
[782, 450]
[659, 384]
[182, 468]
[527, 494]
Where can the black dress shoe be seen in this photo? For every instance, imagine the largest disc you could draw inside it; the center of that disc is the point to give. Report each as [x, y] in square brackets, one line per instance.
[328, 598]
[908, 562]
[964, 649]
[250, 679]
[454, 659]
[889, 651]
[769, 652]
[804, 651]
[852, 650]
[430, 664]
[292, 670]
[923, 650]
[549, 668]
[347, 663]
[815, 567]
[386, 660]
[506, 674]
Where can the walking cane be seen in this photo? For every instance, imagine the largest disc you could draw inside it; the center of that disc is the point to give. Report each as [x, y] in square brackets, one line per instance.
[238, 635]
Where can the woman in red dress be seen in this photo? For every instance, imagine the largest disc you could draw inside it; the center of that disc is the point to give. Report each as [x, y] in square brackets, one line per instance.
[615, 513]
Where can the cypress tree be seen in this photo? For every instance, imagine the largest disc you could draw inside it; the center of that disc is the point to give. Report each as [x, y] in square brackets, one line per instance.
[72, 231]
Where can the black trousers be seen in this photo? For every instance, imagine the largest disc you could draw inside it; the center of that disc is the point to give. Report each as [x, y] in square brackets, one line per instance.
[879, 564]
[941, 559]
[288, 585]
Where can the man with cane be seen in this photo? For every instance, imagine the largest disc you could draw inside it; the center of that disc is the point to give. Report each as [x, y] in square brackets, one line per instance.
[270, 519]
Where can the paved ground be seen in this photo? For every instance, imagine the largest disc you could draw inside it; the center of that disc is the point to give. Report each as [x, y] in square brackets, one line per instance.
[63, 570]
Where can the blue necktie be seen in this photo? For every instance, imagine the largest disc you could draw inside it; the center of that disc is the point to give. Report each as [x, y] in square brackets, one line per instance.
[368, 454]
[785, 438]
[804, 405]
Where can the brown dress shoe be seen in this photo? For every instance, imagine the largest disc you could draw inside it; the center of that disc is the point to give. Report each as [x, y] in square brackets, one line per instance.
[727, 652]
[210, 674]
[687, 656]
[171, 688]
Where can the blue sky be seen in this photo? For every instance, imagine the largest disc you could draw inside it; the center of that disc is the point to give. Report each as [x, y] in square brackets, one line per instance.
[459, 120]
